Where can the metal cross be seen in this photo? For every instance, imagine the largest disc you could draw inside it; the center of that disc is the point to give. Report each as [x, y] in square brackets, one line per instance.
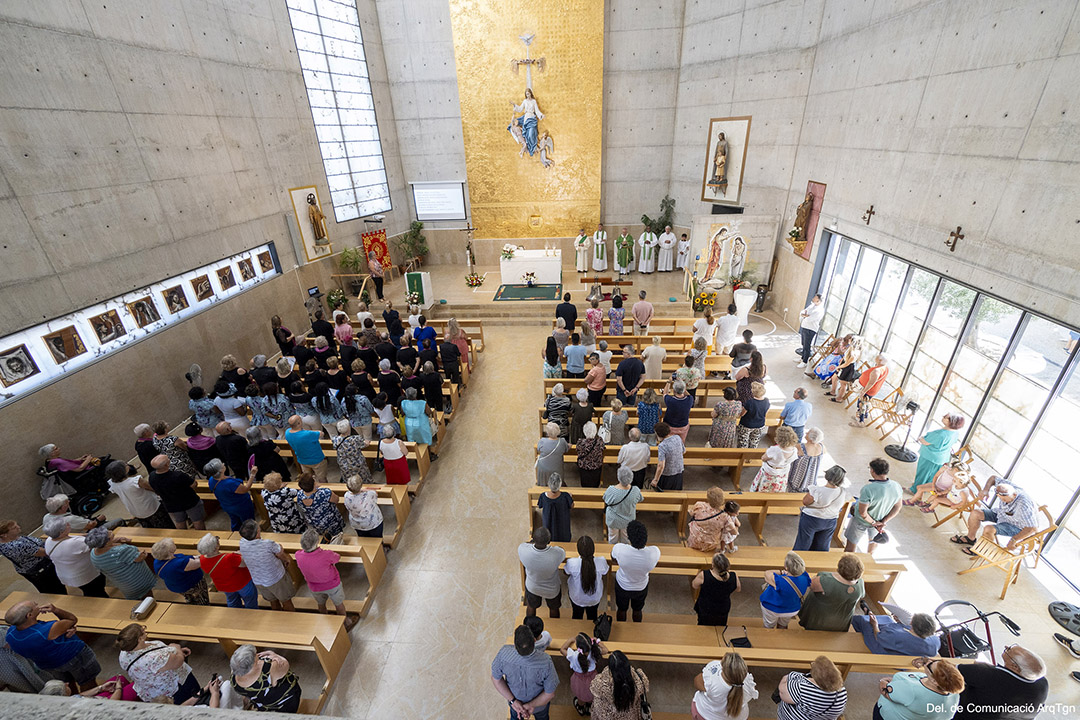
[868, 214]
[954, 237]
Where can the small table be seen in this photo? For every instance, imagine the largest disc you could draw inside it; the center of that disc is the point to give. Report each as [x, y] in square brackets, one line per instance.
[546, 264]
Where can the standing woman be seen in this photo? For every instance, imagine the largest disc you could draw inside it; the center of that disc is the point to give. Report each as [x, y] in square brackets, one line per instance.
[555, 509]
[265, 679]
[707, 521]
[549, 453]
[394, 455]
[803, 472]
[377, 272]
[174, 448]
[724, 690]
[594, 317]
[716, 585]
[832, 599]
[265, 457]
[319, 505]
[616, 314]
[27, 554]
[276, 407]
[653, 358]
[552, 363]
[282, 336]
[561, 335]
[821, 510]
[389, 382]
[327, 408]
[936, 447]
[456, 335]
[301, 404]
[590, 456]
[725, 416]
[557, 410]
[752, 422]
[619, 690]
[773, 475]
[417, 419]
[616, 419]
[747, 375]
[585, 579]
[581, 412]
[182, 574]
[158, 672]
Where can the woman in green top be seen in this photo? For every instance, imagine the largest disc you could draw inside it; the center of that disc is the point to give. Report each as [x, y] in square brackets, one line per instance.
[933, 694]
[833, 598]
[124, 565]
[936, 449]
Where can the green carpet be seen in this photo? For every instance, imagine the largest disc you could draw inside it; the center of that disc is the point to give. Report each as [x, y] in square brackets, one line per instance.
[524, 292]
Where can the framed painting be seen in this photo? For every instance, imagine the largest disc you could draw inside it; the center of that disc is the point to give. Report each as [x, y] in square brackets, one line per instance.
[108, 326]
[64, 344]
[144, 311]
[202, 288]
[225, 277]
[266, 263]
[175, 299]
[247, 270]
[725, 160]
[311, 222]
[16, 365]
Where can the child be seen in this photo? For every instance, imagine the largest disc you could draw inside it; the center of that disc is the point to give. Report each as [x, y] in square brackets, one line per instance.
[540, 635]
[730, 531]
[583, 662]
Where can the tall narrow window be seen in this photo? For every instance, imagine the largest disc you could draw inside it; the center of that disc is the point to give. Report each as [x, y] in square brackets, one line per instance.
[331, 52]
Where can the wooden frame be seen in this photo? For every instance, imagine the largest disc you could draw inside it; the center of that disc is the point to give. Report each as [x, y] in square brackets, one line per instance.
[312, 252]
[729, 126]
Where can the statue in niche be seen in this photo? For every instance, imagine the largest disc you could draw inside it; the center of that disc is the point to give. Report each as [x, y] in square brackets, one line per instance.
[318, 220]
[528, 123]
[797, 237]
[718, 181]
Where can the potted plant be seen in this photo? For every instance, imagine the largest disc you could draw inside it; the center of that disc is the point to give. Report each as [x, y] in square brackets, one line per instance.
[353, 261]
[666, 217]
[529, 279]
[413, 244]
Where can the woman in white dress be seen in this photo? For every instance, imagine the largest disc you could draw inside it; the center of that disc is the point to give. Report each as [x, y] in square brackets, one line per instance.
[772, 477]
[582, 249]
[599, 261]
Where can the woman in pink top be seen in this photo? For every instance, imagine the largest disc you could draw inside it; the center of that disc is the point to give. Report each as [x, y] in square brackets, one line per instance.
[459, 337]
[343, 329]
[319, 568]
[594, 316]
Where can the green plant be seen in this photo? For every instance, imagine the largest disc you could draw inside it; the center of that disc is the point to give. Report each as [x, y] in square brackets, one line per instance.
[365, 297]
[412, 244]
[353, 261]
[666, 217]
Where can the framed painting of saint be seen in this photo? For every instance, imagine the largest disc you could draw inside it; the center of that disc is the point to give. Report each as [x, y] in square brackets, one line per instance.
[144, 311]
[225, 277]
[266, 263]
[725, 160]
[64, 344]
[175, 299]
[247, 270]
[202, 288]
[108, 326]
[16, 365]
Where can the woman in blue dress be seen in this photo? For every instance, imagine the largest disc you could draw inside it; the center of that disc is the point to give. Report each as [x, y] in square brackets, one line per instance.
[417, 423]
[936, 449]
[318, 505]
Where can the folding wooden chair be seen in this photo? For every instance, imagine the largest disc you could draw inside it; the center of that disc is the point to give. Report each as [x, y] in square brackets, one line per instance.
[990, 554]
[822, 350]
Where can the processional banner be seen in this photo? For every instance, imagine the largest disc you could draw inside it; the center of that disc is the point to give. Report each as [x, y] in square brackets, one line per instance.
[376, 240]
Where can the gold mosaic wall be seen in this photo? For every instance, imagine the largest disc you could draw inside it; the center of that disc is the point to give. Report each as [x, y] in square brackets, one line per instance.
[512, 196]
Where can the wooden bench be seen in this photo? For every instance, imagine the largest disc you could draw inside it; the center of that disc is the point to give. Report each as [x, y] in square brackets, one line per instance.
[672, 343]
[353, 550]
[415, 452]
[658, 325]
[228, 627]
[755, 505]
[694, 644]
[396, 496]
[735, 458]
[473, 328]
[699, 416]
[752, 562]
[707, 388]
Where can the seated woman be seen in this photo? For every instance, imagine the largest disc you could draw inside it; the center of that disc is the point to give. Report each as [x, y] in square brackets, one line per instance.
[932, 694]
[828, 365]
[159, 672]
[70, 471]
[707, 521]
[265, 679]
[949, 488]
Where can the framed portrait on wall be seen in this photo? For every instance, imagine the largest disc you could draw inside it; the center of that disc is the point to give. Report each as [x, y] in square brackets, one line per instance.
[144, 311]
[247, 270]
[311, 222]
[725, 160]
[175, 299]
[225, 277]
[64, 344]
[202, 288]
[108, 326]
[266, 263]
[16, 365]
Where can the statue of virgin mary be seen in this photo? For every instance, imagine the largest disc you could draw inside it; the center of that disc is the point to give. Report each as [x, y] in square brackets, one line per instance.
[528, 121]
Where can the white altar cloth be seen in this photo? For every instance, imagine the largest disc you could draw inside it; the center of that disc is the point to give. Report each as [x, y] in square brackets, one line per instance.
[548, 267]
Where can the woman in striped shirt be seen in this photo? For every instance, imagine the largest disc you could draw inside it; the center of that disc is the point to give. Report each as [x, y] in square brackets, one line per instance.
[817, 695]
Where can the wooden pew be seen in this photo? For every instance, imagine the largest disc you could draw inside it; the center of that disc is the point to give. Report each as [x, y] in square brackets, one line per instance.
[353, 550]
[699, 416]
[396, 496]
[658, 326]
[228, 627]
[735, 458]
[707, 388]
[755, 505]
[674, 344]
[473, 328]
[752, 562]
[416, 452]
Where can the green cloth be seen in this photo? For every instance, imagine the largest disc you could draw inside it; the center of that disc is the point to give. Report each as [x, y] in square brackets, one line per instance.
[832, 609]
[524, 292]
[933, 455]
[911, 700]
[879, 497]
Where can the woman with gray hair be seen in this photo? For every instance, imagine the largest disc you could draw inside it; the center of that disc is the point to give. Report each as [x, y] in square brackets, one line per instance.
[784, 591]
[557, 410]
[562, 335]
[71, 557]
[394, 455]
[590, 456]
[821, 510]
[549, 453]
[265, 679]
[281, 506]
[581, 412]
[182, 574]
[677, 404]
[319, 568]
[350, 452]
[365, 517]
[555, 509]
[144, 441]
[389, 382]
[803, 472]
[228, 572]
[233, 494]
[123, 564]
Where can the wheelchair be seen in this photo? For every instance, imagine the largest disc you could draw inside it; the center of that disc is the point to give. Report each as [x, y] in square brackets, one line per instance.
[87, 489]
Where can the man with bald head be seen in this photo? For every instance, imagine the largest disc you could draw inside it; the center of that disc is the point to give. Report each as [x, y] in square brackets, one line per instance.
[306, 448]
[52, 645]
[233, 448]
[1013, 690]
[177, 492]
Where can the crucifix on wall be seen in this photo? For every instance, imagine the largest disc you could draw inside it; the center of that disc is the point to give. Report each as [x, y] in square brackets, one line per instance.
[954, 237]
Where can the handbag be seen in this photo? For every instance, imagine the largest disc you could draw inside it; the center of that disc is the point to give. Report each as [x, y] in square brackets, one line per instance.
[646, 709]
[602, 627]
[743, 642]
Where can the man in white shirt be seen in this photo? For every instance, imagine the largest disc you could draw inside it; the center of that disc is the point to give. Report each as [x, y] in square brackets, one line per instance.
[266, 561]
[684, 252]
[634, 456]
[808, 327]
[541, 561]
[599, 258]
[727, 328]
[667, 249]
[632, 578]
[647, 254]
[72, 558]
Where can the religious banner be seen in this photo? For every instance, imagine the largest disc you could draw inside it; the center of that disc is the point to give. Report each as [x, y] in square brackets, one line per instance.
[376, 240]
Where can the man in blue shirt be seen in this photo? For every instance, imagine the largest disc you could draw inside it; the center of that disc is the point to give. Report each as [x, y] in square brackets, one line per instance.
[797, 412]
[232, 494]
[524, 676]
[53, 646]
[886, 635]
[306, 448]
[575, 357]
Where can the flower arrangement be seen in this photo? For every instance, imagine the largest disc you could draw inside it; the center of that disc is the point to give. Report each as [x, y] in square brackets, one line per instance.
[508, 251]
[473, 280]
[529, 278]
[412, 298]
[704, 300]
[336, 298]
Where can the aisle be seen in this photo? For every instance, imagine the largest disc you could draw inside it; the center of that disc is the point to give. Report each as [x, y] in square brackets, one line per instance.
[441, 612]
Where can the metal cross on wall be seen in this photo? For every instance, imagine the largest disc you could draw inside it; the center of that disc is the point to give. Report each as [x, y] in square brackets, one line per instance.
[528, 62]
[954, 237]
[868, 214]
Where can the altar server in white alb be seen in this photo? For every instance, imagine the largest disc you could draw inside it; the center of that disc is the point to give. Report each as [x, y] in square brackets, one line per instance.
[599, 256]
[647, 255]
[684, 252]
[582, 250]
[667, 250]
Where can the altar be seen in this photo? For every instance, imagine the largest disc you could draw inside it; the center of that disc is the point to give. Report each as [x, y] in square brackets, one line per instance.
[547, 264]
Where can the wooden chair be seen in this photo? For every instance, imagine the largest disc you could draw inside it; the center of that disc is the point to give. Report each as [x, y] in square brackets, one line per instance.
[990, 554]
[821, 351]
[889, 417]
